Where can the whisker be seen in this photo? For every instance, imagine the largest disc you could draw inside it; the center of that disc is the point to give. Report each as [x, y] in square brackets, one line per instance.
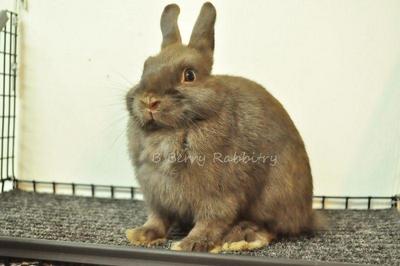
[123, 77]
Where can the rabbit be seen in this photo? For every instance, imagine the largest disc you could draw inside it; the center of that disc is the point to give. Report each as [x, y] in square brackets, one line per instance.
[217, 152]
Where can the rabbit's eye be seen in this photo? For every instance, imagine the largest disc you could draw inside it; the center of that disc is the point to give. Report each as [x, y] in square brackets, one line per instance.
[189, 75]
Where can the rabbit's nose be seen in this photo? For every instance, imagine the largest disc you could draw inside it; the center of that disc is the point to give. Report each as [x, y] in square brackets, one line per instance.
[152, 104]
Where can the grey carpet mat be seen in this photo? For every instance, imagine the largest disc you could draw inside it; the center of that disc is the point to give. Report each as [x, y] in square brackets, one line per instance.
[357, 236]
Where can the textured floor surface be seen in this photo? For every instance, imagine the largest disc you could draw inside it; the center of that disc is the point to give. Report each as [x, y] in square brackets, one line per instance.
[365, 237]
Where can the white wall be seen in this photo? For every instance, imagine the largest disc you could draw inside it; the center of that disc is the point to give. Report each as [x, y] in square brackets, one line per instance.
[8, 4]
[335, 65]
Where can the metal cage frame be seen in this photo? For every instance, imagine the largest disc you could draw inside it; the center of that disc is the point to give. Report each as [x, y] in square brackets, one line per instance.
[8, 78]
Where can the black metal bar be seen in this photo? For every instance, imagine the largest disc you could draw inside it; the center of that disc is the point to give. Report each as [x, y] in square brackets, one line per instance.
[4, 53]
[8, 74]
[10, 33]
[106, 187]
[34, 185]
[395, 200]
[9, 99]
[369, 203]
[54, 187]
[6, 158]
[11, 12]
[132, 191]
[4, 105]
[14, 20]
[352, 197]
[73, 252]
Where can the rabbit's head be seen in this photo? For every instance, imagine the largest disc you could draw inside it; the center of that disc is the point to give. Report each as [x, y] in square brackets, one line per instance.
[176, 88]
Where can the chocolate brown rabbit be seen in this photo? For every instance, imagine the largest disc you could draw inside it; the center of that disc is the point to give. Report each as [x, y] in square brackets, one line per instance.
[218, 152]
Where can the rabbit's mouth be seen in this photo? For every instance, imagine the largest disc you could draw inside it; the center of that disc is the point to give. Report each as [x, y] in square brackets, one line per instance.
[153, 121]
[152, 125]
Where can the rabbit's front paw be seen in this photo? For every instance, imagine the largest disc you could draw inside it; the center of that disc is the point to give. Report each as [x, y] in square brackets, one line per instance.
[145, 236]
[196, 244]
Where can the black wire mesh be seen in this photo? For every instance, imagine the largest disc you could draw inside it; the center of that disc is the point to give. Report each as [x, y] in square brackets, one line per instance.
[124, 192]
[8, 70]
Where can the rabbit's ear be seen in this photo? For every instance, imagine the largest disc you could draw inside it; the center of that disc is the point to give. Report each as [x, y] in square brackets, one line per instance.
[202, 37]
[169, 25]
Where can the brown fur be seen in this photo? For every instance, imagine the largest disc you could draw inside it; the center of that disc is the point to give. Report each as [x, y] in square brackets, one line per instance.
[214, 114]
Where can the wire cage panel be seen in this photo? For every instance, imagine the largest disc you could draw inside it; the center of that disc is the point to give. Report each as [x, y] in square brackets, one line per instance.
[8, 74]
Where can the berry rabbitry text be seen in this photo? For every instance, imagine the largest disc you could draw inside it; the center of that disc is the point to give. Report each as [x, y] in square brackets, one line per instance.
[218, 157]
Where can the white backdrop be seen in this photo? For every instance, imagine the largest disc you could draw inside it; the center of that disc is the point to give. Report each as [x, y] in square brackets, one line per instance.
[335, 65]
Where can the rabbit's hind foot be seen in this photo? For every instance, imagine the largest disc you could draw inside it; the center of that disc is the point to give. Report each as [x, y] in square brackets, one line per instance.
[246, 236]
